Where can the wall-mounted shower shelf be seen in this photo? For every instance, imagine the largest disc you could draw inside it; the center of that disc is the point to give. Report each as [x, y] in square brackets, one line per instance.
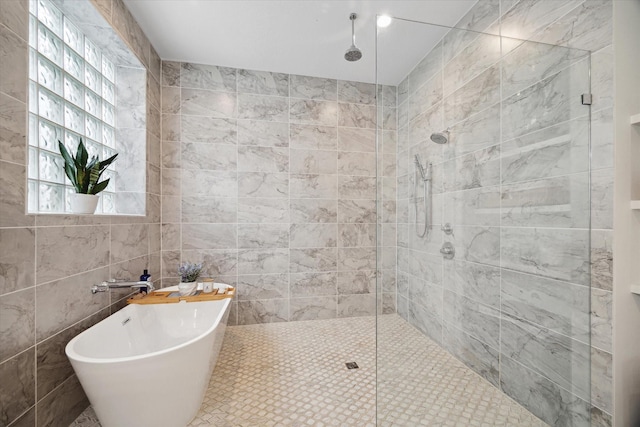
[635, 289]
[635, 119]
[634, 204]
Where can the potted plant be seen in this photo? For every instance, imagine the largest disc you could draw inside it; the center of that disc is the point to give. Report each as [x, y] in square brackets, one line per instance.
[84, 175]
[189, 273]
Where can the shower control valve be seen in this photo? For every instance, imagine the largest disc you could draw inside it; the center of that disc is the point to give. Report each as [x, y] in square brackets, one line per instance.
[447, 250]
[447, 229]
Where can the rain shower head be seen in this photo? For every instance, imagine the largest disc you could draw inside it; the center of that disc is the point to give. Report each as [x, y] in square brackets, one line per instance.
[440, 137]
[353, 53]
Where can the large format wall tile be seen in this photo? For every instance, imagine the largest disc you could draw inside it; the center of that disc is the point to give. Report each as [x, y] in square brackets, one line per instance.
[13, 196]
[53, 366]
[589, 27]
[481, 322]
[64, 302]
[260, 107]
[263, 311]
[263, 286]
[208, 103]
[477, 282]
[206, 129]
[262, 82]
[255, 210]
[311, 112]
[559, 358]
[64, 405]
[17, 259]
[263, 236]
[12, 126]
[313, 88]
[314, 137]
[527, 18]
[315, 308]
[476, 354]
[200, 76]
[17, 322]
[313, 161]
[313, 284]
[549, 102]
[559, 306]
[479, 55]
[556, 202]
[18, 379]
[259, 184]
[553, 253]
[262, 133]
[55, 245]
[561, 149]
[481, 92]
[14, 65]
[543, 398]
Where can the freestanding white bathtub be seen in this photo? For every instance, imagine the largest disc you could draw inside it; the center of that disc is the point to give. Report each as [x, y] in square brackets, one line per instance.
[149, 365]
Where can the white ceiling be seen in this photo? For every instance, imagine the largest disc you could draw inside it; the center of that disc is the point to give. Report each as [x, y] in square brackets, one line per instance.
[307, 37]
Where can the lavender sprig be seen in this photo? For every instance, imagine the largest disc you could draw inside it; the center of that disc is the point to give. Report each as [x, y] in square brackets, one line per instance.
[189, 272]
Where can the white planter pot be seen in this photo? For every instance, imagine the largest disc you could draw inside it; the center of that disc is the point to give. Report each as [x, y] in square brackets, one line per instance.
[187, 288]
[84, 203]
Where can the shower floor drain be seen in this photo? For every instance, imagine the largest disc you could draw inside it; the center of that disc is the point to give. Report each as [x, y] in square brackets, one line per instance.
[352, 365]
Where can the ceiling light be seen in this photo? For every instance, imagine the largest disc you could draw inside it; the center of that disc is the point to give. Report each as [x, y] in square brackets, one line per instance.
[384, 21]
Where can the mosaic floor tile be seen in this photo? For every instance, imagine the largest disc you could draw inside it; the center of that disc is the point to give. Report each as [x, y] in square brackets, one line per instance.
[294, 374]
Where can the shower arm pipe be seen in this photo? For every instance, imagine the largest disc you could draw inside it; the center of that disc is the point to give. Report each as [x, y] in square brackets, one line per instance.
[353, 28]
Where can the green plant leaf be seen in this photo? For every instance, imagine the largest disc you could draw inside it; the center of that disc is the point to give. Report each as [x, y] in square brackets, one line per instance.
[65, 154]
[82, 156]
[94, 175]
[70, 172]
[107, 162]
[94, 161]
[100, 186]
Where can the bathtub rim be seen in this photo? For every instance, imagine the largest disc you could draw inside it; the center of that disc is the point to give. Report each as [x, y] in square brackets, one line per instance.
[75, 357]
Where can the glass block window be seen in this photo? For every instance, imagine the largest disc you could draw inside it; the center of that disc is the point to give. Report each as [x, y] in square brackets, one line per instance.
[71, 96]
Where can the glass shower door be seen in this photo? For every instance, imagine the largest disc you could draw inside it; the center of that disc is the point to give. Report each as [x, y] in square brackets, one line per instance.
[493, 300]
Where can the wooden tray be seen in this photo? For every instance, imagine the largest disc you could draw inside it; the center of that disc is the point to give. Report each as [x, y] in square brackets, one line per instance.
[168, 297]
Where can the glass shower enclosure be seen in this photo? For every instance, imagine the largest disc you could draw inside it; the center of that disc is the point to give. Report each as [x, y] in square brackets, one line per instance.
[483, 229]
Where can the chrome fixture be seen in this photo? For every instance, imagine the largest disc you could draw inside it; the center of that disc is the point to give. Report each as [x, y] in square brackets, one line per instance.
[353, 53]
[447, 229]
[440, 137]
[426, 199]
[447, 250]
[115, 284]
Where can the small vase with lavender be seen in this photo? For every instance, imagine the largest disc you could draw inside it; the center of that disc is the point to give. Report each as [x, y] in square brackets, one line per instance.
[189, 273]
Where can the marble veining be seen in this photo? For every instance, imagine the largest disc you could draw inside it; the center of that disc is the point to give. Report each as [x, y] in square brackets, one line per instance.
[559, 306]
[208, 130]
[199, 76]
[559, 358]
[542, 397]
[314, 210]
[474, 353]
[313, 235]
[263, 133]
[263, 83]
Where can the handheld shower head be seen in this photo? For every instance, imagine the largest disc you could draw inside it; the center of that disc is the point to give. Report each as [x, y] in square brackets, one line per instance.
[353, 53]
[440, 137]
[424, 172]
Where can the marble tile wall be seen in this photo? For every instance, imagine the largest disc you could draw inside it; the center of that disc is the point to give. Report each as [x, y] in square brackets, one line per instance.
[270, 180]
[515, 182]
[49, 262]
